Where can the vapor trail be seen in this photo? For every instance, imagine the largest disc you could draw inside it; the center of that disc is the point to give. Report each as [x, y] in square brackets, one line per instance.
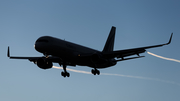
[129, 76]
[163, 57]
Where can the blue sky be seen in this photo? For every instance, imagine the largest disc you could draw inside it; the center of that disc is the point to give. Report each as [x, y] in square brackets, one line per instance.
[138, 23]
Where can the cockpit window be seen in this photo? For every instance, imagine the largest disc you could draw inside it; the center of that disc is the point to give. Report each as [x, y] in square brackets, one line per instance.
[42, 40]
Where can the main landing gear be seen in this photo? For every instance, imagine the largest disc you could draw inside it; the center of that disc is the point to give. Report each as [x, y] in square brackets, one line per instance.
[95, 71]
[65, 73]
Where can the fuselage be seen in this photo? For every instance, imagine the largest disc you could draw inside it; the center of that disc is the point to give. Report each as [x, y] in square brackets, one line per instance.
[70, 54]
[67, 51]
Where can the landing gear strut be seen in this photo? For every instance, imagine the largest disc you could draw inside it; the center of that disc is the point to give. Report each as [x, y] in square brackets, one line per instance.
[95, 71]
[65, 73]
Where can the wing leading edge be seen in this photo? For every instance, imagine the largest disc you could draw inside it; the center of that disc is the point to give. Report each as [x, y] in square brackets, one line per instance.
[133, 51]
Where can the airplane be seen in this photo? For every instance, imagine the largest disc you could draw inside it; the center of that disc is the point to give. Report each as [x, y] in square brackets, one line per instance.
[70, 54]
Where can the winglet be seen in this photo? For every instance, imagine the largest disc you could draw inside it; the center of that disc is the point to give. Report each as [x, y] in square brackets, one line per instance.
[8, 54]
[169, 39]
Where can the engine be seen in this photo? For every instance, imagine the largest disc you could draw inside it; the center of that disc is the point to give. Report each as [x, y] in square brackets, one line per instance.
[44, 63]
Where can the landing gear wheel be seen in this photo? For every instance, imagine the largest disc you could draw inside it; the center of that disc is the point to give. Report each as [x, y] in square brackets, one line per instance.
[65, 74]
[95, 71]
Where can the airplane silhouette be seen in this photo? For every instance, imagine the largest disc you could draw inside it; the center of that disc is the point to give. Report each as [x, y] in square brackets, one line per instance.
[70, 54]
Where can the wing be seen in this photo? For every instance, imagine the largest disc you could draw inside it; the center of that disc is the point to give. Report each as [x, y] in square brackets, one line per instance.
[34, 59]
[134, 51]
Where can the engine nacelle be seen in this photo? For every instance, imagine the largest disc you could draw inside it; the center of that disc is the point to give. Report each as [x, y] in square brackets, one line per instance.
[44, 63]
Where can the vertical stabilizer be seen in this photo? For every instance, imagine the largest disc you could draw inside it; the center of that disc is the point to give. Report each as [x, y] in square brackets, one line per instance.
[109, 46]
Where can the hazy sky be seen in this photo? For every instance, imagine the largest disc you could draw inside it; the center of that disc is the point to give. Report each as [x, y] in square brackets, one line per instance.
[138, 23]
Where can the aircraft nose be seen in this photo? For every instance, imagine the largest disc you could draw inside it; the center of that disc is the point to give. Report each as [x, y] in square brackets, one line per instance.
[37, 46]
[40, 47]
[42, 44]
